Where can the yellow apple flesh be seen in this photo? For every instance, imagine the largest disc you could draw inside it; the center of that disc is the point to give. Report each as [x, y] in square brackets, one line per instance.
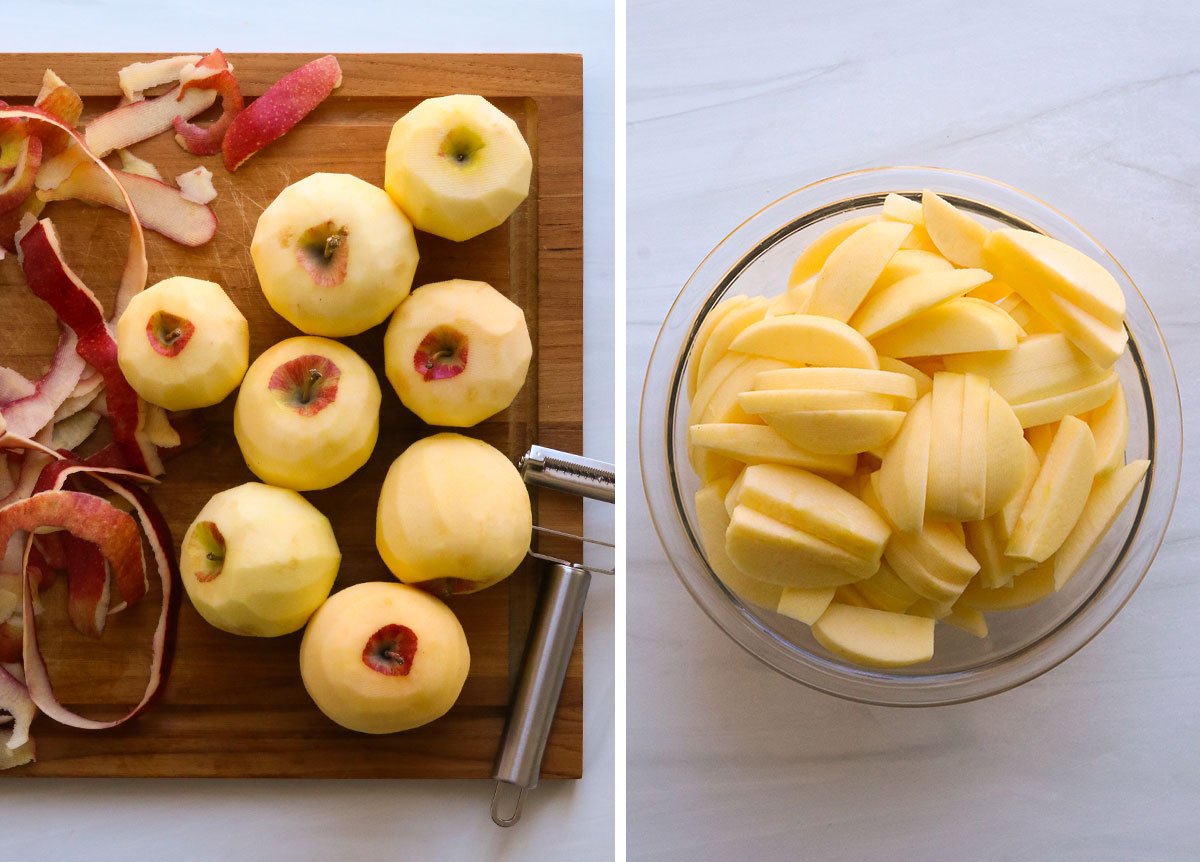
[453, 516]
[258, 560]
[307, 415]
[809, 339]
[457, 352]
[384, 657]
[875, 638]
[810, 261]
[805, 606]
[1059, 494]
[957, 236]
[712, 521]
[852, 267]
[1110, 493]
[182, 344]
[887, 309]
[457, 165]
[334, 255]
[959, 325]
[760, 444]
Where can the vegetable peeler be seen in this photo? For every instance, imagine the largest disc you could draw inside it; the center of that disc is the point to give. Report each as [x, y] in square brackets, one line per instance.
[553, 631]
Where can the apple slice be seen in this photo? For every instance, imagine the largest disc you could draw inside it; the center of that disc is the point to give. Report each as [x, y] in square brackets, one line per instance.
[761, 444]
[994, 291]
[959, 325]
[945, 445]
[805, 606]
[885, 591]
[900, 208]
[810, 339]
[875, 638]
[837, 432]
[712, 523]
[899, 386]
[771, 551]
[903, 475]
[281, 106]
[1038, 367]
[919, 240]
[957, 236]
[1072, 403]
[888, 308]
[810, 261]
[764, 401]
[1110, 494]
[908, 262]
[922, 381]
[1023, 314]
[725, 330]
[975, 463]
[934, 561]
[816, 506]
[853, 267]
[719, 402]
[1027, 589]
[1059, 494]
[1023, 258]
[794, 301]
[1008, 455]
[969, 620]
[160, 207]
[1110, 426]
[703, 333]
[986, 541]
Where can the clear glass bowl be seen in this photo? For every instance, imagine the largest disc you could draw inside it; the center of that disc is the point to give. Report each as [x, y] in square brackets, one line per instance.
[755, 259]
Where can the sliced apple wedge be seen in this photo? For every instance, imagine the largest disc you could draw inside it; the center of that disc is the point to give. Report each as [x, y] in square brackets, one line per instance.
[919, 240]
[794, 301]
[731, 324]
[934, 561]
[899, 386]
[974, 452]
[1022, 257]
[1059, 494]
[884, 591]
[712, 521]
[1027, 589]
[904, 473]
[1023, 314]
[771, 551]
[875, 638]
[1038, 367]
[1007, 455]
[717, 397]
[986, 542]
[969, 620]
[959, 325]
[816, 506]
[809, 339]
[1110, 426]
[908, 262]
[900, 208]
[806, 606]
[765, 401]
[707, 325]
[886, 309]
[957, 236]
[945, 445]
[923, 381]
[994, 291]
[854, 266]
[837, 432]
[1047, 410]
[1108, 497]
[810, 261]
[761, 444]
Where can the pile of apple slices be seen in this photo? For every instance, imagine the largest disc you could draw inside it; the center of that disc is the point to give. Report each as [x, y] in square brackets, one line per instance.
[926, 425]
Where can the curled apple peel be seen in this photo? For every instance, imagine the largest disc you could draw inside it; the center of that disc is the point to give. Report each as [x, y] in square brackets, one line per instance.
[281, 106]
[200, 141]
[19, 184]
[136, 78]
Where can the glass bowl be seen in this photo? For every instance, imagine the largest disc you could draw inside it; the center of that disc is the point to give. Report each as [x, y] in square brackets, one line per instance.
[755, 259]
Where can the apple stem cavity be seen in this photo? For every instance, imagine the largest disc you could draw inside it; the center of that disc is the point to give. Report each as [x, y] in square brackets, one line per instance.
[168, 334]
[324, 252]
[461, 145]
[442, 354]
[391, 650]
[307, 384]
[209, 536]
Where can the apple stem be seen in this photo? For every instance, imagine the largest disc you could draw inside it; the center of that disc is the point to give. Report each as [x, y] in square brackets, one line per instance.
[173, 336]
[332, 244]
[394, 656]
[213, 558]
[314, 377]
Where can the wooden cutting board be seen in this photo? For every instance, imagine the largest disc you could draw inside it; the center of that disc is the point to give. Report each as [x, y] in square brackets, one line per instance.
[235, 706]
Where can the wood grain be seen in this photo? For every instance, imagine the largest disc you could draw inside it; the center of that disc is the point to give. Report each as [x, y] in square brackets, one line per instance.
[236, 706]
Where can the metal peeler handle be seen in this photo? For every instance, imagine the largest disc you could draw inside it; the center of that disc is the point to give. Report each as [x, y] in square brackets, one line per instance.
[552, 634]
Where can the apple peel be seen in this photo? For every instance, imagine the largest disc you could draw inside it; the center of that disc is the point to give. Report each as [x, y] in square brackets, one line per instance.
[89, 587]
[27, 415]
[50, 279]
[197, 185]
[136, 78]
[201, 141]
[133, 277]
[14, 386]
[161, 208]
[15, 700]
[281, 106]
[132, 164]
[19, 184]
[71, 432]
[127, 125]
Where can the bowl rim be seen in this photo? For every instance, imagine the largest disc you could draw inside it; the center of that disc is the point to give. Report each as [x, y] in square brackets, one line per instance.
[1163, 417]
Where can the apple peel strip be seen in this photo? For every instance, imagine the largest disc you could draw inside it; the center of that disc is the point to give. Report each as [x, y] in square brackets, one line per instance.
[28, 415]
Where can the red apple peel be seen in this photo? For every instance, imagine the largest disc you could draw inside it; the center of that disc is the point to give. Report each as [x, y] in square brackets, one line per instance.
[281, 106]
[28, 415]
[196, 139]
[19, 185]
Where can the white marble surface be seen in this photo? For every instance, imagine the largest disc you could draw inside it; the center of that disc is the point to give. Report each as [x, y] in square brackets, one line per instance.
[352, 820]
[1090, 105]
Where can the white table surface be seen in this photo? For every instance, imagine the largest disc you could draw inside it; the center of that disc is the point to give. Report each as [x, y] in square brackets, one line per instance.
[1094, 106]
[351, 820]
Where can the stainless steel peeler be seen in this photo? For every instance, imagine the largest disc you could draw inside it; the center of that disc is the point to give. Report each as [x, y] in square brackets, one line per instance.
[553, 631]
